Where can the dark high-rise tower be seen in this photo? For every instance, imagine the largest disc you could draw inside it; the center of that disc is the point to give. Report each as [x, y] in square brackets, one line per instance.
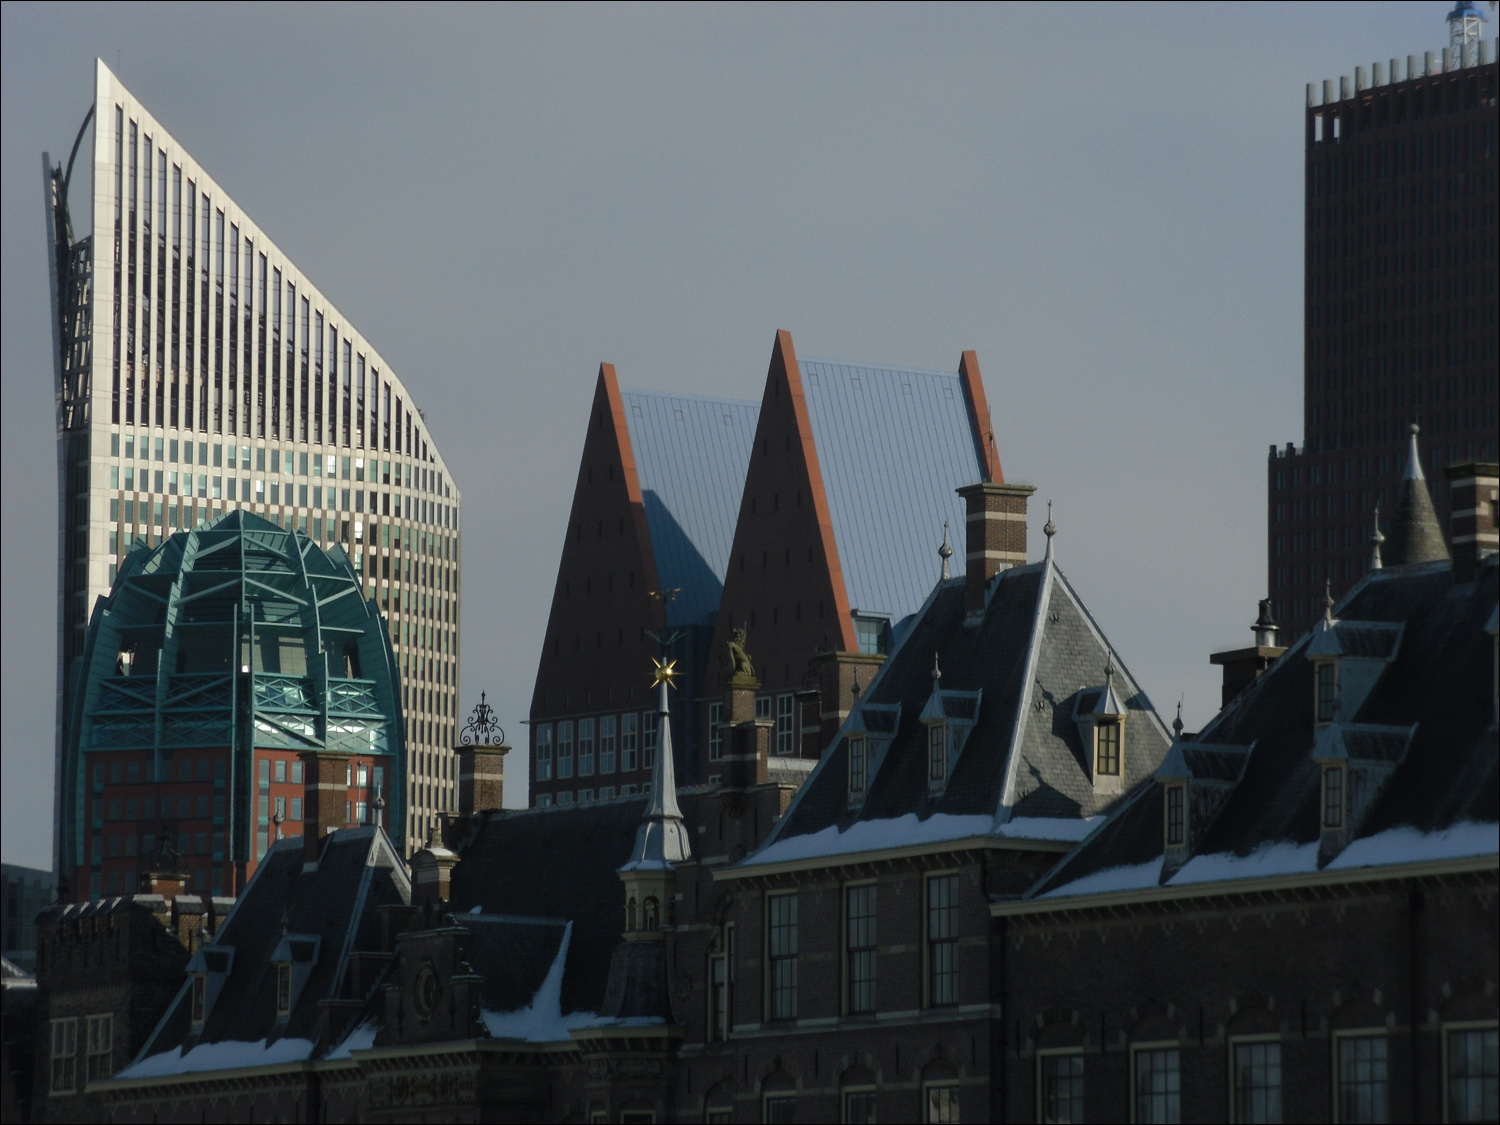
[1400, 308]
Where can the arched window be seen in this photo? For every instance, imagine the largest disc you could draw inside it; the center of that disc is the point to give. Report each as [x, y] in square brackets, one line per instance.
[650, 915]
[630, 914]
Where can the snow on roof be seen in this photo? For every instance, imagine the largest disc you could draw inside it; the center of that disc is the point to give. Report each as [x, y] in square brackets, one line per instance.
[362, 1038]
[231, 1054]
[908, 831]
[1286, 857]
[542, 1021]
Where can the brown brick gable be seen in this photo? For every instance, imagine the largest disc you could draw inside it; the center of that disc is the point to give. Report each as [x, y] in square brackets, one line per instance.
[595, 645]
[784, 584]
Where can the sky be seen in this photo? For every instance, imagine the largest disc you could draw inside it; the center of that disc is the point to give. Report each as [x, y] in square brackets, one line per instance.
[1104, 201]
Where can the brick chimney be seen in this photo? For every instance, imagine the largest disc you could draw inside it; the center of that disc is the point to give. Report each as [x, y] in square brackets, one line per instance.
[996, 535]
[325, 790]
[481, 777]
[1242, 666]
[1475, 492]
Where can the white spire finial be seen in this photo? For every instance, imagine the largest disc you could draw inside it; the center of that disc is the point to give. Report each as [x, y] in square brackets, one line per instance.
[1328, 600]
[945, 552]
[1414, 457]
[937, 673]
[1376, 539]
[1049, 529]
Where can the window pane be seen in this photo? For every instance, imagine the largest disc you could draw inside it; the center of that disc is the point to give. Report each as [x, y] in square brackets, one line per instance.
[942, 1104]
[1062, 1088]
[1362, 1078]
[860, 940]
[1257, 1082]
[859, 1107]
[781, 1110]
[1474, 1075]
[942, 939]
[783, 949]
[1158, 1086]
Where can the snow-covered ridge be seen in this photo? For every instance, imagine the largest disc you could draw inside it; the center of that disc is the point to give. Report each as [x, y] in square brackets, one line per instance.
[909, 831]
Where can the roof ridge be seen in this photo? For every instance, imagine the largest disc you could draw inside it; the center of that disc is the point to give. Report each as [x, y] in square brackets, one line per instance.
[896, 369]
[646, 391]
[1028, 674]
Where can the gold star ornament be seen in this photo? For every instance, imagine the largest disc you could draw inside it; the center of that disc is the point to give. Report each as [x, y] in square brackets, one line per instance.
[666, 672]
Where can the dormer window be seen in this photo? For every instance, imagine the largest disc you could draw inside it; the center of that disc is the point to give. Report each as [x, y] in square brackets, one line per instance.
[283, 989]
[1107, 747]
[200, 998]
[937, 753]
[1333, 796]
[858, 766]
[1326, 672]
[1176, 815]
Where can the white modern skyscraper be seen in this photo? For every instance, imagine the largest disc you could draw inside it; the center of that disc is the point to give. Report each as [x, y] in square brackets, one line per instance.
[198, 371]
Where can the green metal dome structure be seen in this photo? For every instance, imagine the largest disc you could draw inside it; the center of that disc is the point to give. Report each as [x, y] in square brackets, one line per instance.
[218, 658]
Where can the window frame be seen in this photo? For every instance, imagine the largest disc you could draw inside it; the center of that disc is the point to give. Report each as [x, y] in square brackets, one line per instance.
[564, 761]
[629, 741]
[1447, 1029]
[1325, 691]
[63, 1061]
[930, 1088]
[1043, 1056]
[845, 1092]
[543, 756]
[1333, 813]
[1343, 1036]
[283, 989]
[1234, 1044]
[774, 1012]
[859, 766]
[1113, 742]
[715, 733]
[1147, 1047]
[850, 950]
[937, 754]
[789, 1096]
[786, 725]
[928, 941]
[1179, 820]
[93, 1050]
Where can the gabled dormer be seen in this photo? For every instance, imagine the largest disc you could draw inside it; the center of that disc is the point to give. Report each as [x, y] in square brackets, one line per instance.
[1348, 659]
[868, 737]
[207, 972]
[948, 717]
[1100, 715]
[1355, 761]
[1197, 780]
[293, 961]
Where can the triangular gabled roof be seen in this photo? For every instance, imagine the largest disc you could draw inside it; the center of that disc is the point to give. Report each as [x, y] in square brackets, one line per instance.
[1023, 771]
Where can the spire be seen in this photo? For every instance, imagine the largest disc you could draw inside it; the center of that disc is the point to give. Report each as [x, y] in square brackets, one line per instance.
[1415, 535]
[1109, 703]
[1177, 722]
[945, 552]
[1049, 529]
[661, 840]
[937, 673]
[1328, 600]
[1376, 539]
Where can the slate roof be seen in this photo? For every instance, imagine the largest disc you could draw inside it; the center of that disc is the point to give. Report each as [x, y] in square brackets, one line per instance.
[1035, 650]
[567, 874]
[358, 872]
[512, 954]
[1439, 682]
[691, 456]
[893, 444]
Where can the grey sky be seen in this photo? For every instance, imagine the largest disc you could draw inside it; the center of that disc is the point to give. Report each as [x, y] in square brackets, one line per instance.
[1104, 201]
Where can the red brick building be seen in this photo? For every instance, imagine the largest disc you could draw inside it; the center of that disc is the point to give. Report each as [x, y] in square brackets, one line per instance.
[1400, 320]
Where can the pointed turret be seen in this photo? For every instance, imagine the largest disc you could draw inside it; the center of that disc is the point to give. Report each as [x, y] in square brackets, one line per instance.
[661, 838]
[1416, 536]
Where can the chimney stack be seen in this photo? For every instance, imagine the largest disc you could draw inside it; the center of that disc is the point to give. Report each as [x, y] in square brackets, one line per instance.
[325, 790]
[1475, 492]
[481, 777]
[1242, 666]
[995, 527]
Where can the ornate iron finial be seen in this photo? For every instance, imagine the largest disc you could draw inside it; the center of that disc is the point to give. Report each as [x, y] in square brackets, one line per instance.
[483, 727]
[279, 819]
[1177, 722]
[854, 688]
[945, 552]
[1049, 529]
